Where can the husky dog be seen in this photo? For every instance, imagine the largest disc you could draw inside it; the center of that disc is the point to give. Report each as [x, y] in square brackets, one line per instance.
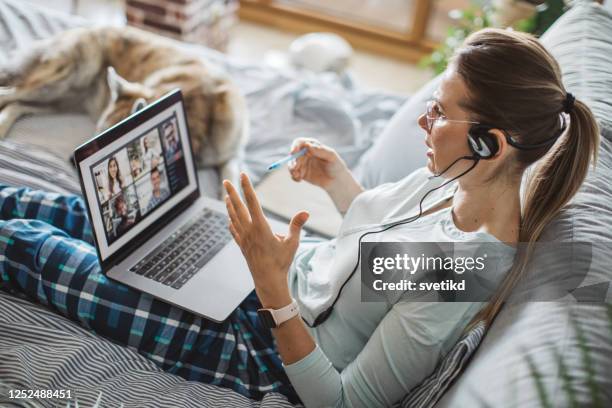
[110, 73]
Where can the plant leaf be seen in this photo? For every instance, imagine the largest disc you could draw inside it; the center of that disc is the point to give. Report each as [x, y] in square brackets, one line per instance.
[537, 377]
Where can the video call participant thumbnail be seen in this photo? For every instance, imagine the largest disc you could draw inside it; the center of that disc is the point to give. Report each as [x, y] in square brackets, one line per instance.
[115, 179]
[120, 209]
[171, 140]
[158, 193]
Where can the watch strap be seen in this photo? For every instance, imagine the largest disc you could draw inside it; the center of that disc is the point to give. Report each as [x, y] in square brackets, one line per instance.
[279, 316]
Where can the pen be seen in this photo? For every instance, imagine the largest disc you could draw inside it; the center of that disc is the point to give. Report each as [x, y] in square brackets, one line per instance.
[287, 159]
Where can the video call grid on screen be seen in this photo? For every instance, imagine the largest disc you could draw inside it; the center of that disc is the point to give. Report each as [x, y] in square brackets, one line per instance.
[138, 178]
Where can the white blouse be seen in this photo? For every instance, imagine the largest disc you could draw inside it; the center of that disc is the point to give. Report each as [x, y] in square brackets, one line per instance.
[371, 354]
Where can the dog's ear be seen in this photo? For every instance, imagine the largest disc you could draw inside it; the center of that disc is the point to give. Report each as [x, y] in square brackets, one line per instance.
[116, 84]
[138, 105]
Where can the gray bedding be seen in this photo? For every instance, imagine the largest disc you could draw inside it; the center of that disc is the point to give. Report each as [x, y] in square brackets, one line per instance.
[40, 350]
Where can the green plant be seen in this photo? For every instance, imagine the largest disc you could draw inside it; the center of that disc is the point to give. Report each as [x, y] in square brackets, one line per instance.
[595, 390]
[479, 15]
[473, 18]
[547, 12]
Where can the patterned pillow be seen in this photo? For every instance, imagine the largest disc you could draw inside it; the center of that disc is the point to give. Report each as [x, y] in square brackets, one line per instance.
[433, 387]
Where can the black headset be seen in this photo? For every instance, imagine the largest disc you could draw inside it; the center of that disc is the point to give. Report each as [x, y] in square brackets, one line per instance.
[483, 146]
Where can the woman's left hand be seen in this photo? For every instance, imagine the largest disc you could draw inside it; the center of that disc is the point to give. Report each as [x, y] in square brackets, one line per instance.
[268, 255]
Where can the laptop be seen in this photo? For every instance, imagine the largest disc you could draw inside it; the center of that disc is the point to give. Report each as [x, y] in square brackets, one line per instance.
[153, 229]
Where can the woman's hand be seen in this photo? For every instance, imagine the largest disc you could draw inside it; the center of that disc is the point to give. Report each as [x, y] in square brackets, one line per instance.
[323, 167]
[268, 255]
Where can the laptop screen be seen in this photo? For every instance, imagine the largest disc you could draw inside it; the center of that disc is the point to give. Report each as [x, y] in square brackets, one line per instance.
[136, 179]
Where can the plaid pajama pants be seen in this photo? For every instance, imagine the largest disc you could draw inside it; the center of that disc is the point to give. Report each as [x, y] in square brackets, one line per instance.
[46, 253]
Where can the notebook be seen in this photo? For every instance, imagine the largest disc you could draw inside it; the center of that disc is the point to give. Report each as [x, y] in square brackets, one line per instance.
[283, 197]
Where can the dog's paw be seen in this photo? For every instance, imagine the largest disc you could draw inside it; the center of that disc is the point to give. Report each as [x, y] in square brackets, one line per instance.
[7, 90]
[9, 115]
[6, 122]
[230, 170]
[7, 94]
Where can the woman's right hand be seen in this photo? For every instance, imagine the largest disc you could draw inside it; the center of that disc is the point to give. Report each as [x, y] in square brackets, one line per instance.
[321, 165]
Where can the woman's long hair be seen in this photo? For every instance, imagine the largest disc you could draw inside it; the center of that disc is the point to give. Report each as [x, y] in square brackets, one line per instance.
[515, 84]
[111, 181]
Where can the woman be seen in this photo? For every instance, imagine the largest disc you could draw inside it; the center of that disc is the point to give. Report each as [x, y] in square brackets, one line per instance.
[115, 180]
[125, 221]
[150, 157]
[356, 354]
[136, 166]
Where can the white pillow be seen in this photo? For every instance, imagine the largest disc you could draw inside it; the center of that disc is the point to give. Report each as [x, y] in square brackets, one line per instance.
[400, 148]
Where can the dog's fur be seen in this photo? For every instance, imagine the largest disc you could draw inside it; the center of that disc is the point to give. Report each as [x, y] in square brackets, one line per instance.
[109, 73]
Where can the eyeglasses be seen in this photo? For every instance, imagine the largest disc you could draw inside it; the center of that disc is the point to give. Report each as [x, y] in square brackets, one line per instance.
[433, 115]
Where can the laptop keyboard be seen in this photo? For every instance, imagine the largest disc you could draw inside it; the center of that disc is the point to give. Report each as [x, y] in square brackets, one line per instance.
[185, 252]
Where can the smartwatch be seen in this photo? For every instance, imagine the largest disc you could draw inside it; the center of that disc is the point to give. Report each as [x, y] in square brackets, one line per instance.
[272, 318]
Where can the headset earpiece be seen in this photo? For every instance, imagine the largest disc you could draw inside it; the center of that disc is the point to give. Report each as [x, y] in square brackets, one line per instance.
[482, 143]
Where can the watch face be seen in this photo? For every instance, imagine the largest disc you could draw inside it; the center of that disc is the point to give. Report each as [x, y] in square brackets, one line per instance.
[266, 318]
